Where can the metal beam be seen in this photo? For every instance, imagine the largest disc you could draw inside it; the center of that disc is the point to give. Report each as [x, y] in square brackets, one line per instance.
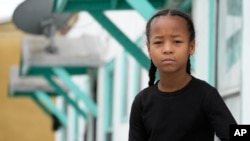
[128, 45]
[43, 100]
[83, 5]
[59, 90]
[77, 6]
[143, 7]
[65, 76]
[40, 70]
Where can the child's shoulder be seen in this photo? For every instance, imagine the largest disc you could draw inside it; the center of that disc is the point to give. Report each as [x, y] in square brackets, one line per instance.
[146, 92]
[204, 88]
[202, 84]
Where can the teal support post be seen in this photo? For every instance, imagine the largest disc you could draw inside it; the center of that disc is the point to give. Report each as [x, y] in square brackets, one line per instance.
[143, 7]
[108, 98]
[128, 45]
[59, 90]
[76, 125]
[43, 100]
[60, 72]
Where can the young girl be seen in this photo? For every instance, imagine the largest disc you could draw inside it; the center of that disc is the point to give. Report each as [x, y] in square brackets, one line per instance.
[178, 107]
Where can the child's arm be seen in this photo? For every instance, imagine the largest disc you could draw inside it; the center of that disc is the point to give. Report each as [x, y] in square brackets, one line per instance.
[137, 130]
[218, 114]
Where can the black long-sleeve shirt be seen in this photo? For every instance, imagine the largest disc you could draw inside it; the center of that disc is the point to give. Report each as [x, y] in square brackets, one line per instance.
[193, 113]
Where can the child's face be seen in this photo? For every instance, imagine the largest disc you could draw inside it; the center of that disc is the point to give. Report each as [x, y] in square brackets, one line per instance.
[169, 44]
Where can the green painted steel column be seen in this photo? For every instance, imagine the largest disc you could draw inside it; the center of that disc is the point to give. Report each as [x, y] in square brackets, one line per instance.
[128, 45]
[108, 98]
[76, 126]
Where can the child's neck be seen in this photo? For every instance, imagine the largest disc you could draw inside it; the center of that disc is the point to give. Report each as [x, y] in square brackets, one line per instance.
[173, 82]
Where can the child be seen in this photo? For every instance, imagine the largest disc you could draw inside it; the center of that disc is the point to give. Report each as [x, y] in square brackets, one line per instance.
[179, 107]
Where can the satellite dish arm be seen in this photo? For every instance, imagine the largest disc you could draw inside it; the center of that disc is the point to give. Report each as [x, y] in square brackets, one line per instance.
[49, 30]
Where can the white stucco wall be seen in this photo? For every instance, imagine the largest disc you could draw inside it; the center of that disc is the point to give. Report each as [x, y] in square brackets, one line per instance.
[245, 89]
[200, 15]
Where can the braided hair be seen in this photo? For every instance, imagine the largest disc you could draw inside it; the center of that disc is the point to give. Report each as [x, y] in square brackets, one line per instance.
[171, 12]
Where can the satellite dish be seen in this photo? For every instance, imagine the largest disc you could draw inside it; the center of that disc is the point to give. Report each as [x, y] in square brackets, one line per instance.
[35, 17]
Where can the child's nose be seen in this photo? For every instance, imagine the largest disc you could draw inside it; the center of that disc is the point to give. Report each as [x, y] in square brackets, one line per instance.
[167, 48]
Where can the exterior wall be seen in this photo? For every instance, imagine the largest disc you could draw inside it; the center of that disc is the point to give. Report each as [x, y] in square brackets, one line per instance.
[200, 14]
[245, 89]
[120, 120]
[20, 118]
[229, 44]
[227, 80]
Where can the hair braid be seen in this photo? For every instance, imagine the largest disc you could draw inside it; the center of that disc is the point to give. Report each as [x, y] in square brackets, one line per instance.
[188, 69]
[152, 71]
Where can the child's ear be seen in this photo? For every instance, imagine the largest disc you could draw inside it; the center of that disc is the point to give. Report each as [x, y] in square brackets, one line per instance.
[192, 47]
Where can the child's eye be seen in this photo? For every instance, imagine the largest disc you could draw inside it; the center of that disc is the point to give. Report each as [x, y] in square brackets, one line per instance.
[157, 42]
[177, 42]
